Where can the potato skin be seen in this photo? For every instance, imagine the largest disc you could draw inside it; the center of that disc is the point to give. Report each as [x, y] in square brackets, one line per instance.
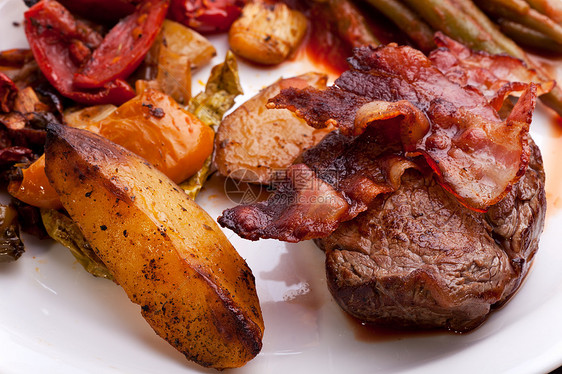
[267, 33]
[253, 142]
[169, 256]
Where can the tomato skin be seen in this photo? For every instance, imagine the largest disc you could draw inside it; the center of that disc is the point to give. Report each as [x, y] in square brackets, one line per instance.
[51, 32]
[124, 47]
[8, 91]
[206, 16]
[101, 10]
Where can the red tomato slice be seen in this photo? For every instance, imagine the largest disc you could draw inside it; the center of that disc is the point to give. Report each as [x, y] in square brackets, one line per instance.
[206, 16]
[8, 91]
[53, 34]
[124, 47]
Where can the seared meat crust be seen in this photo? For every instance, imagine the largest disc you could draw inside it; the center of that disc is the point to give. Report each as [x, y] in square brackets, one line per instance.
[418, 258]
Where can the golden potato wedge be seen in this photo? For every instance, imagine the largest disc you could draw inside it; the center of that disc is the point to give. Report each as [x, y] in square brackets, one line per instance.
[254, 142]
[267, 33]
[169, 256]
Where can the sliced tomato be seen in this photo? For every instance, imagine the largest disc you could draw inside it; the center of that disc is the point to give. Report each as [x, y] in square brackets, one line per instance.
[206, 16]
[8, 91]
[101, 10]
[124, 47]
[60, 45]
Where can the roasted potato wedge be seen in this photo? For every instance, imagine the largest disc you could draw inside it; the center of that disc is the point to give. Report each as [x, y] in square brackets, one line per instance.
[267, 33]
[169, 256]
[254, 142]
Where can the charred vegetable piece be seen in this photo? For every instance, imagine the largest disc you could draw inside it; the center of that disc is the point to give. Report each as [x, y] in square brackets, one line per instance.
[124, 47]
[60, 45]
[64, 230]
[169, 255]
[408, 21]
[175, 53]
[11, 246]
[350, 23]
[8, 91]
[222, 88]
[206, 16]
[267, 33]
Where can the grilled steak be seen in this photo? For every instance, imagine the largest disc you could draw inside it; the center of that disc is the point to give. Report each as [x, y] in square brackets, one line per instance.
[418, 258]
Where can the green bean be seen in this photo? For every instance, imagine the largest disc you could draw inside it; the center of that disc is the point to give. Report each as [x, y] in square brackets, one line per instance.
[446, 16]
[351, 24]
[406, 20]
[550, 8]
[463, 21]
[528, 37]
[515, 10]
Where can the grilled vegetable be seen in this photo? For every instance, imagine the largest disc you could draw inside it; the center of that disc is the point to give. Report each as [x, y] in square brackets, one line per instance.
[222, 88]
[60, 45]
[11, 246]
[407, 21]
[65, 231]
[169, 256]
[267, 33]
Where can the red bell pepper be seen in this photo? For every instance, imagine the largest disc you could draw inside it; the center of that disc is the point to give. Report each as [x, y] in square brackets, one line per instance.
[124, 47]
[206, 16]
[61, 45]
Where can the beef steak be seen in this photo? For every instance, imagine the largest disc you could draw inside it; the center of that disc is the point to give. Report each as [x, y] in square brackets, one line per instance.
[418, 258]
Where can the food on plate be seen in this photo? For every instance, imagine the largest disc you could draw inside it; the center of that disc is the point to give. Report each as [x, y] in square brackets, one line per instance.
[169, 256]
[267, 33]
[474, 153]
[151, 125]
[64, 230]
[11, 246]
[60, 45]
[465, 22]
[253, 143]
[206, 16]
[174, 55]
[419, 259]
[428, 186]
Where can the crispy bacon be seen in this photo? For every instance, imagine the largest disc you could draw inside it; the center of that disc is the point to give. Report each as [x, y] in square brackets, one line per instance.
[338, 179]
[496, 76]
[475, 154]
[392, 106]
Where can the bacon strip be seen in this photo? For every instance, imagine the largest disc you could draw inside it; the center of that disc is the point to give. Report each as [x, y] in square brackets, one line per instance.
[496, 76]
[339, 178]
[476, 155]
[392, 106]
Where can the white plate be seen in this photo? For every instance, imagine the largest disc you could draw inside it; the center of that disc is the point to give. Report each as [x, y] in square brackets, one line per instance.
[56, 318]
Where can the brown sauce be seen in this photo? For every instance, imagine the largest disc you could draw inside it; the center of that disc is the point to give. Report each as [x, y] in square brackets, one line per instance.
[370, 333]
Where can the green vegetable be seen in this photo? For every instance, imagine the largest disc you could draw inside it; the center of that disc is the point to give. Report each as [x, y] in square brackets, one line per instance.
[465, 22]
[550, 8]
[519, 11]
[11, 246]
[193, 185]
[408, 21]
[63, 229]
[528, 37]
[222, 88]
[350, 23]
